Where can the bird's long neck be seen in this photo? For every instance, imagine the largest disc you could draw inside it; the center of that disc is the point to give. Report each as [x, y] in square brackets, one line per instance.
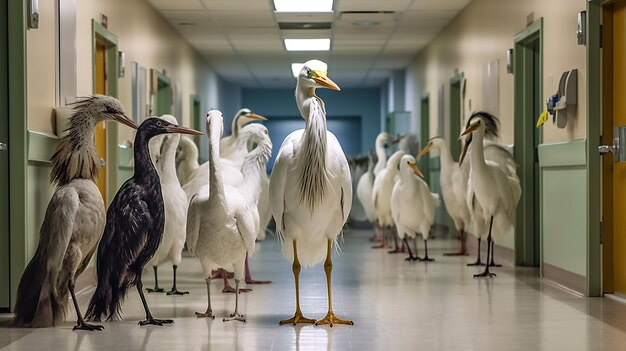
[253, 169]
[216, 184]
[381, 154]
[312, 151]
[168, 160]
[191, 158]
[75, 156]
[145, 171]
[235, 127]
[477, 155]
[445, 156]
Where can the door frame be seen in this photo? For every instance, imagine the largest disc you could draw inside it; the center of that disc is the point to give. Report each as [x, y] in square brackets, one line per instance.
[455, 107]
[194, 116]
[18, 148]
[594, 131]
[425, 134]
[104, 36]
[524, 152]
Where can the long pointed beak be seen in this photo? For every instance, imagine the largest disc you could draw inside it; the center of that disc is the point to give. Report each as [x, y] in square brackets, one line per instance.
[424, 151]
[416, 169]
[127, 121]
[182, 130]
[470, 129]
[464, 151]
[326, 82]
[258, 117]
[392, 142]
[388, 136]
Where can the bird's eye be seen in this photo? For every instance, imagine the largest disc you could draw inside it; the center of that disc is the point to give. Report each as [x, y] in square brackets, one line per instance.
[309, 73]
[265, 131]
[159, 124]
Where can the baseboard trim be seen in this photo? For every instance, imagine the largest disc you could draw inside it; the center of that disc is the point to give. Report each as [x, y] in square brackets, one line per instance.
[569, 280]
[502, 255]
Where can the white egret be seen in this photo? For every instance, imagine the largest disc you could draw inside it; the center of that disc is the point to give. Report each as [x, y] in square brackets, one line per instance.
[186, 159]
[365, 184]
[493, 188]
[175, 204]
[223, 220]
[228, 144]
[381, 196]
[74, 220]
[453, 179]
[413, 205]
[310, 188]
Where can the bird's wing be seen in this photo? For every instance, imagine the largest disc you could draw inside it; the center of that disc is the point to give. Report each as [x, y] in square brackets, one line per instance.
[56, 230]
[125, 230]
[246, 228]
[194, 217]
[278, 179]
[500, 155]
[341, 162]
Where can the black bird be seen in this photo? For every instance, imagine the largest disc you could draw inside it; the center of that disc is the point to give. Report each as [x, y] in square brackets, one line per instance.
[74, 220]
[133, 231]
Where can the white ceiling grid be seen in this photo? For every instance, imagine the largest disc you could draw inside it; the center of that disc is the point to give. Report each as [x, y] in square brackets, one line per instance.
[242, 41]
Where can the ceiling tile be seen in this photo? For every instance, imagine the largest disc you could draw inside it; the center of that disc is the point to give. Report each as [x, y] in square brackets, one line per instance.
[177, 4]
[236, 5]
[243, 19]
[456, 5]
[373, 5]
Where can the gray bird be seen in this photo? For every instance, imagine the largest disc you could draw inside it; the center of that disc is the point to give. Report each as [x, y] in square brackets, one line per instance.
[74, 220]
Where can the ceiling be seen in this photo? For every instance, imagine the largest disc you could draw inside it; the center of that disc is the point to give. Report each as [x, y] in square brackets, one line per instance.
[242, 41]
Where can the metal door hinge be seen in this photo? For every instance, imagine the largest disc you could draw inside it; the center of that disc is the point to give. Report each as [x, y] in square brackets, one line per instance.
[4, 147]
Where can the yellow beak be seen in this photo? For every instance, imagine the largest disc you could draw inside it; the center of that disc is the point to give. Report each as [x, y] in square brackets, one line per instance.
[416, 170]
[472, 127]
[326, 82]
[255, 116]
[424, 151]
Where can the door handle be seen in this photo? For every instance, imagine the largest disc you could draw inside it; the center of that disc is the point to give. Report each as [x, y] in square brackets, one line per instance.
[617, 149]
[102, 163]
[4, 147]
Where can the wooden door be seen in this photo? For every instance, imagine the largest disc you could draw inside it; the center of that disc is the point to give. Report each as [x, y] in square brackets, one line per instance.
[100, 76]
[613, 173]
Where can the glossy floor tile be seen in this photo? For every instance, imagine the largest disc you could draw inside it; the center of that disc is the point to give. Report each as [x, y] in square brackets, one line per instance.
[396, 305]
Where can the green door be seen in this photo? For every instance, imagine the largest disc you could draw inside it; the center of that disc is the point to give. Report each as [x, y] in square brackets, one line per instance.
[163, 96]
[425, 136]
[5, 277]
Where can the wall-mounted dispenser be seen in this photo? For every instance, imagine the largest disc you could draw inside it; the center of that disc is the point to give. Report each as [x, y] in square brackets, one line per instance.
[581, 30]
[565, 107]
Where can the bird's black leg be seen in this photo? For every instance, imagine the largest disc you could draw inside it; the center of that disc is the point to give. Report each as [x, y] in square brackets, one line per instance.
[492, 263]
[478, 261]
[156, 282]
[486, 273]
[80, 322]
[411, 257]
[426, 258]
[175, 291]
[149, 318]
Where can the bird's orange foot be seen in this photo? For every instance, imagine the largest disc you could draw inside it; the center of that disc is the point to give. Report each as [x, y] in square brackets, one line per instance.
[86, 326]
[207, 314]
[297, 318]
[330, 319]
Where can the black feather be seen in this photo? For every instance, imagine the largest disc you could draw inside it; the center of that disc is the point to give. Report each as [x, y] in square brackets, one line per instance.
[133, 231]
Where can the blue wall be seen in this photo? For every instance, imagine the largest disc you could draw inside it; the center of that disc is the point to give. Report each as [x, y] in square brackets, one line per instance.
[363, 103]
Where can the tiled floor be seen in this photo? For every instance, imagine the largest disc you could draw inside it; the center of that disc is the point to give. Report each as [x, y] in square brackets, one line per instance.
[396, 305]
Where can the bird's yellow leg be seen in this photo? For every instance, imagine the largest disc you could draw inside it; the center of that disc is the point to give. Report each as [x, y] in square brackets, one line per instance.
[330, 318]
[298, 317]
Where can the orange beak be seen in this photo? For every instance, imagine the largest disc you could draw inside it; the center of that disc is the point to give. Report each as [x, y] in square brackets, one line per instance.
[255, 116]
[424, 151]
[326, 82]
[416, 169]
[127, 121]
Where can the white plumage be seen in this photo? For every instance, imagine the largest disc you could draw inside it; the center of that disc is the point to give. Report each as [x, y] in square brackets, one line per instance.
[453, 180]
[223, 219]
[412, 205]
[365, 185]
[186, 159]
[381, 196]
[310, 186]
[493, 188]
[163, 149]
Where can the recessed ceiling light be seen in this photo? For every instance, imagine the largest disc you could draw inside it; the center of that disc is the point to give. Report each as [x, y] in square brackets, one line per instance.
[307, 44]
[303, 5]
[296, 68]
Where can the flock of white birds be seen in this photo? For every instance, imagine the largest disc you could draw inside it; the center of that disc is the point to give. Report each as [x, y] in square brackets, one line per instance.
[483, 190]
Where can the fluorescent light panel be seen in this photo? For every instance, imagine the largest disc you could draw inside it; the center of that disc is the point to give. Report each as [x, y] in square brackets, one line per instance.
[307, 44]
[296, 68]
[303, 5]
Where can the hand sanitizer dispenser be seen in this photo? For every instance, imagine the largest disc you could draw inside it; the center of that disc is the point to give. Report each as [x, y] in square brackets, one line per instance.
[565, 107]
